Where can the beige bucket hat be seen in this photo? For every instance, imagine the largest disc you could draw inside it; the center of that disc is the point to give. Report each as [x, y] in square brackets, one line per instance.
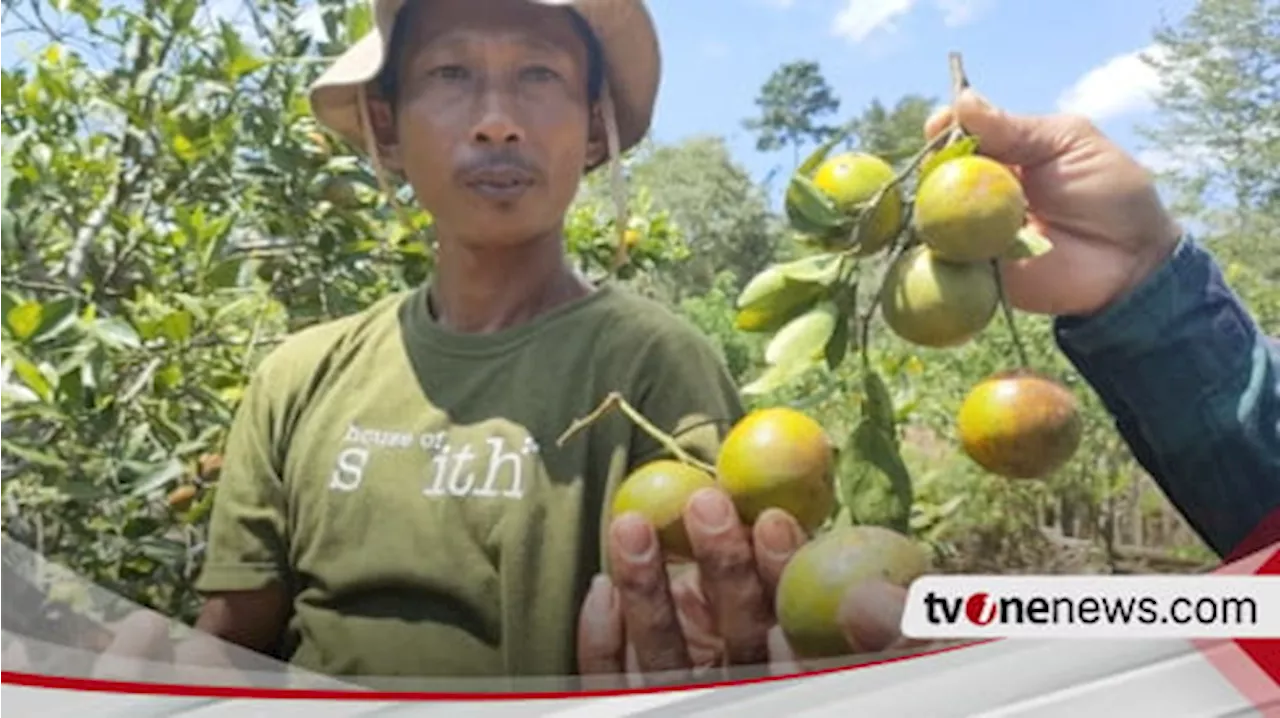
[632, 69]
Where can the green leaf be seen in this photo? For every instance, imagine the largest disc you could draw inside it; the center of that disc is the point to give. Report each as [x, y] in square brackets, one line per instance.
[811, 211]
[878, 469]
[161, 477]
[37, 458]
[820, 153]
[877, 406]
[24, 320]
[35, 379]
[176, 326]
[804, 338]
[58, 315]
[1029, 243]
[776, 377]
[116, 332]
[838, 345]
[963, 147]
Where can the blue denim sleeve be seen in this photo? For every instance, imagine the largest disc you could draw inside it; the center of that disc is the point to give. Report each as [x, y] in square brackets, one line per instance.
[1194, 387]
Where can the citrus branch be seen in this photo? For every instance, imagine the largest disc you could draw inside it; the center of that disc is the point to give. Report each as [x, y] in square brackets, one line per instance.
[1008, 316]
[615, 401]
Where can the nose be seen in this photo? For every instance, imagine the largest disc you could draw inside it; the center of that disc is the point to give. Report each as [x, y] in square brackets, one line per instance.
[497, 125]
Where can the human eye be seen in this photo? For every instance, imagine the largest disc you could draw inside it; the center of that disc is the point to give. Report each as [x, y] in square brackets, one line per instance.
[539, 73]
[449, 73]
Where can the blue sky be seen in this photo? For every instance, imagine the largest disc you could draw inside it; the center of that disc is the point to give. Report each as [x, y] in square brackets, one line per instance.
[1028, 55]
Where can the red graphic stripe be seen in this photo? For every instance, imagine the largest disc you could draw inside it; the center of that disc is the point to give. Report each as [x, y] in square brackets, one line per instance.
[36, 680]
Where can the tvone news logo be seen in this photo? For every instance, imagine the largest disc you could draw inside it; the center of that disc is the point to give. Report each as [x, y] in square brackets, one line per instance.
[982, 609]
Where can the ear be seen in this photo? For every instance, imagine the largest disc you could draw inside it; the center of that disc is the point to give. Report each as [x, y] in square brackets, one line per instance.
[597, 140]
[383, 118]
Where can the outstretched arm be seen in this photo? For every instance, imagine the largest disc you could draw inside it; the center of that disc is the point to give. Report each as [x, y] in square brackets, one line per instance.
[1194, 386]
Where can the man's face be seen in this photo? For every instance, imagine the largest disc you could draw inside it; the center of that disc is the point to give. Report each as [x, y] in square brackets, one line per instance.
[492, 118]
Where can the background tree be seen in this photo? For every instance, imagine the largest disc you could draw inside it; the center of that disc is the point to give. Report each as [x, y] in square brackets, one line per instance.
[1218, 135]
[791, 102]
[894, 134]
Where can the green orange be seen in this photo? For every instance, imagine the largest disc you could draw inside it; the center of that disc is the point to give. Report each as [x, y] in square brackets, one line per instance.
[969, 209]
[823, 571]
[659, 491]
[851, 179]
[938, 304]
[779, 457]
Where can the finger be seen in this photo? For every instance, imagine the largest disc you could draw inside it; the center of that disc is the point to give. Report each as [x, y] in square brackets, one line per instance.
[726, 561]
[706, 648]
[648, 611]
[776, 537]
[1024, 140]
[600, 632]
[938, 122]
[871, 616]
[782, 659]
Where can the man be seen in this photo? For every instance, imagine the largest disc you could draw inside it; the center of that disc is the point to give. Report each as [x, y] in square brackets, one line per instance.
[393, 502]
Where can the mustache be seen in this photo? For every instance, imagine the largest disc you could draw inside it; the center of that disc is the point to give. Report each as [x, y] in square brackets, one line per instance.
[505, 161]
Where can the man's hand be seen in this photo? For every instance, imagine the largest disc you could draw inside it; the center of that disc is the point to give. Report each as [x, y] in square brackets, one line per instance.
[1093, 201]
[649, 618]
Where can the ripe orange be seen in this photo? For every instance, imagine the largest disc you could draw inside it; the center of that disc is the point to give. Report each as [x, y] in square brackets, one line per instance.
[852, 178]
[969, 209]
[779, 458]
[1019, 424]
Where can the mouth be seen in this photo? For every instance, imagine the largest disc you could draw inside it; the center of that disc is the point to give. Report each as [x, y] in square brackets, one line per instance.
[499, 183]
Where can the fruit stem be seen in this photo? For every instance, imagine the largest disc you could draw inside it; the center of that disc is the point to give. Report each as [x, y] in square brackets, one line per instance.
[1008, 316]
[875, 301]
[959, 83]
[615, 401]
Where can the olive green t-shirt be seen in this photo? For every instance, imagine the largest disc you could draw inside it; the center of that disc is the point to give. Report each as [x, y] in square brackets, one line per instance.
[405, 482]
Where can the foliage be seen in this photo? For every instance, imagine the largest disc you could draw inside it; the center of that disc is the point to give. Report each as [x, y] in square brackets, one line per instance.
[791, 102]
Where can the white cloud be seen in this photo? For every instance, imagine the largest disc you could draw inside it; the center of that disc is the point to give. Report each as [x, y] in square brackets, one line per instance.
[860, 18]
[1123, 85]
[961, 12]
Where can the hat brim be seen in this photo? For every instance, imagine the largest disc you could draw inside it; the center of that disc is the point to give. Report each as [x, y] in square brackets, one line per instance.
[624, 28]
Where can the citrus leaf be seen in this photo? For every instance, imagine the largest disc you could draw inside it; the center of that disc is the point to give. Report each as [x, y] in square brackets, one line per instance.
[117, 332]
[170, 471]
[776, 377]
[877, 406]
[820, 153]
[963, 147]
[809, 210]
[1030, 243]
[35, 379]
[821, 269]
[838, 345]
[24, 320]
[36, 458]
[881, 470]
[803, 338]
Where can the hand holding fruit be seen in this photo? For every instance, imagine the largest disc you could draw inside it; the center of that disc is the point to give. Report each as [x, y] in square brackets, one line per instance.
[721, 611]
[1094, 202]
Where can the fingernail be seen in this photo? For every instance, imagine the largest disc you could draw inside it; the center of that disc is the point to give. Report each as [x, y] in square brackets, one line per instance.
[778, 536]
[713, 510]
[602, 591]
[635, 538]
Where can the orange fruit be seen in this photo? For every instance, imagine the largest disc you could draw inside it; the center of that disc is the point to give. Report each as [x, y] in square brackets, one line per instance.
[210, 467]
[853, 178]
[180, 498]
[779, 458]
[659, 491]
[820, 574]
[1019, 424]
[969, 209]
[938, 304]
